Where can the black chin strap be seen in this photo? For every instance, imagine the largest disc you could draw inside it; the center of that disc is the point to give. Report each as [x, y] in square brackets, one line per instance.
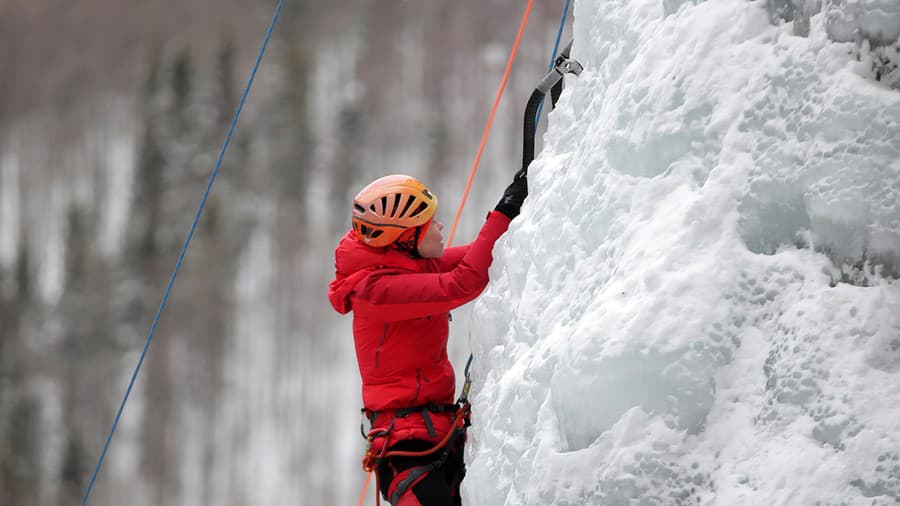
[410, 244]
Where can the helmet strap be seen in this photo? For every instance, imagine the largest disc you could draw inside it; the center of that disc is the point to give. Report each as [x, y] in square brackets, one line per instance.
[409, 241]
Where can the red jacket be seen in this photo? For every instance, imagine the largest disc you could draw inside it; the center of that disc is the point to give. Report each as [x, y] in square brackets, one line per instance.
[400, 310]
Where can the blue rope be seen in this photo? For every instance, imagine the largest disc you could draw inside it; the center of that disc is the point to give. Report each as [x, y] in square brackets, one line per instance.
[181, 256]
[562, 24]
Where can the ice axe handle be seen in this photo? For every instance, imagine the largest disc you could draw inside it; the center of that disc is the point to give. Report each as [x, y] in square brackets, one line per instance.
[564, 65]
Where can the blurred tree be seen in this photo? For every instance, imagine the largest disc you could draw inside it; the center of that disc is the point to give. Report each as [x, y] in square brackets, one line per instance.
[226, 94]
[13, 453]
[22, 470]
[77, 250]
[148, 249]
[74, 470]
[148, 197]
[182, 76]
[347, 165]
[438, 144]
[146, 209]
[23, 271]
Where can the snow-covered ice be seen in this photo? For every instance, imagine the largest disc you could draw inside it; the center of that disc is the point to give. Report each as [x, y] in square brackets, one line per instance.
[698, 304]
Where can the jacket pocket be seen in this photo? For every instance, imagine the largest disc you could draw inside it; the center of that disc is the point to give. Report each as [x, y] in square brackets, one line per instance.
[380, 346]
[418, 385]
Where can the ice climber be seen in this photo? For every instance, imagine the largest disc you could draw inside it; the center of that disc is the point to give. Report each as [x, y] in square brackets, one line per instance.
[400, 283]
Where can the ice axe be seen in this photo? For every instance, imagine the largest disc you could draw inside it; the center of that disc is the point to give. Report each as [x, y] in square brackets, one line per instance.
[552, 82]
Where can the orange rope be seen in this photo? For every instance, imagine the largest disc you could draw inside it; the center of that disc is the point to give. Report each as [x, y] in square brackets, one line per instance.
[362, 495]
[487, 128]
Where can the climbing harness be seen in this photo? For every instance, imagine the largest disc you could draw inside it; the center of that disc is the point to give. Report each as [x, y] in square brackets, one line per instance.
[181, 255]
[461, 422]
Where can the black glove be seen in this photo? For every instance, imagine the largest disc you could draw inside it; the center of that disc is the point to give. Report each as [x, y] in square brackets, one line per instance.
[514, 196]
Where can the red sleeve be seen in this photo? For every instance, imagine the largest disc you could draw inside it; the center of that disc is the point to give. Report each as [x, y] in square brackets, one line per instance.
[452, 257]
[392, 297]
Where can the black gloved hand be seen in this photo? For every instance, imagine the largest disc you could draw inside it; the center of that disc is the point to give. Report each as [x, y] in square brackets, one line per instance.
[514, 196]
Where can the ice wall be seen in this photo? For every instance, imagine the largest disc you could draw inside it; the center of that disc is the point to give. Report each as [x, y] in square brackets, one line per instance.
[698, 304]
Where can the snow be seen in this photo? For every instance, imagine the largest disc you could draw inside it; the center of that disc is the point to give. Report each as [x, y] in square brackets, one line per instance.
[698, 304]
[119, 171]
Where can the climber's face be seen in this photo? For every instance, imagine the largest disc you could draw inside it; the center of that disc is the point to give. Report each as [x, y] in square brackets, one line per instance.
[432, 245]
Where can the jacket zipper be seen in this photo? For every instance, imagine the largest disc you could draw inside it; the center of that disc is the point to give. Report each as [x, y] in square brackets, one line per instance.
[380, 345]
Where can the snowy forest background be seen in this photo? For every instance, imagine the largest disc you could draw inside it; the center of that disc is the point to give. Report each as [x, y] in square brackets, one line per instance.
[697, 305]
[111, 117]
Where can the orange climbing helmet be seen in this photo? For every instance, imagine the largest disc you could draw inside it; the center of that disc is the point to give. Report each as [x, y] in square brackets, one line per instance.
[389, 206]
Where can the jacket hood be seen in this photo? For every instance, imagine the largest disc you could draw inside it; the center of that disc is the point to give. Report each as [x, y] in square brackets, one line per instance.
[354, 261]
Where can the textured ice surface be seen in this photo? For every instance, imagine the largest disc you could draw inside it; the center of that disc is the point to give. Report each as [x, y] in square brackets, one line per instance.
[699, 302]
[851, 20]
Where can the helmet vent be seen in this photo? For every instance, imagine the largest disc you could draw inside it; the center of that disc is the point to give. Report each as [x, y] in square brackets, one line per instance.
[376, 234]
[422, 206]
[384, 205]
[409, 202]
[372, 207]
[397, 198]
[364, 230]
[359, 208]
